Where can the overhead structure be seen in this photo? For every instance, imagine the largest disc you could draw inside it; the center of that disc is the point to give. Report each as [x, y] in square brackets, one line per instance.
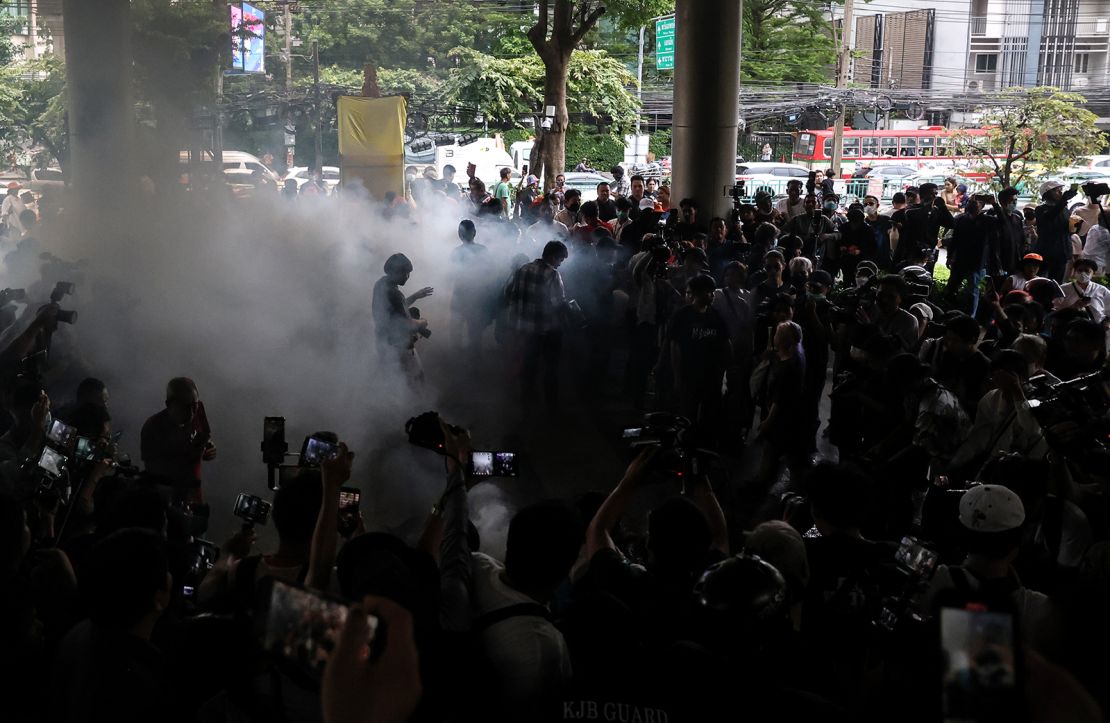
[706, 102]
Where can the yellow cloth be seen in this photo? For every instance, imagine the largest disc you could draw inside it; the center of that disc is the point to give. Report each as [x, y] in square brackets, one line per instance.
[372, 143]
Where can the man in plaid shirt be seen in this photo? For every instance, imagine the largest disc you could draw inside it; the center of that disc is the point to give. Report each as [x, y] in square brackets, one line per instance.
[536, 306]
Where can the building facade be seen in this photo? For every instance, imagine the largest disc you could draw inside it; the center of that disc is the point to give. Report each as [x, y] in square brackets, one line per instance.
[982, 45]
[40, 27]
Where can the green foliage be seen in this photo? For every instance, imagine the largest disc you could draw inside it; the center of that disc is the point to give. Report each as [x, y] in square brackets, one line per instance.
[508, 89]
[403, 33]
[177, 48]
[603, 150]
[786, 42]
[33, 109]
[660, 143]
[9, 25]
[1031, 131]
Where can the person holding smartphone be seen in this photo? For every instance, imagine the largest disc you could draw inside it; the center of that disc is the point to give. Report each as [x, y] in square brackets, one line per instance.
[177, 440]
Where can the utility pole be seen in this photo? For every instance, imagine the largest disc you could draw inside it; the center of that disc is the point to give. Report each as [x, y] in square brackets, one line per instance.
[639, 85]
[316, 96]
[288, 46]
[844, 60]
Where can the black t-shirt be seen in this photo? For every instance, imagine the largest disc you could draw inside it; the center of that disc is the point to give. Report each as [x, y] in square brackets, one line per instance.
[607, 210]
[390, 315]
[784, 390]
[702, 339]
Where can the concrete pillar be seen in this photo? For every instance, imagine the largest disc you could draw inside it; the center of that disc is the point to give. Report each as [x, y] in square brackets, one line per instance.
[706, 102]
[101, 111]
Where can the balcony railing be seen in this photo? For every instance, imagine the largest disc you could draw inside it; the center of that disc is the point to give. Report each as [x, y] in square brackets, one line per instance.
[1093, 27]
[978, 27]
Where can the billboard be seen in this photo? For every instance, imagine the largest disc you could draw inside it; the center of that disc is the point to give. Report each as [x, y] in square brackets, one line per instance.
[248, 39]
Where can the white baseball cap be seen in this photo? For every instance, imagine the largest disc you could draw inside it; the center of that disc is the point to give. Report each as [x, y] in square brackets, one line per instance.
[1049, 185]
[991, 508]
[646, 204]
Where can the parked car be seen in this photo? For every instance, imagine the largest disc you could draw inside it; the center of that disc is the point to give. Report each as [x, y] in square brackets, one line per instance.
[768, 176]
[47, 179]
[235, 161]
[301, 175]
[586, 183]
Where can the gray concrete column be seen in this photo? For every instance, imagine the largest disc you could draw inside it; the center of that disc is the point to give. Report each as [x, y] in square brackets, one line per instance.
[706, 102]
[101, 111]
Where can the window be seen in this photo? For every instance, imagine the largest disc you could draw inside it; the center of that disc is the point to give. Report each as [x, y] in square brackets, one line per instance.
[986, 62]
[1100, 25]
[16, 8]
[231, 165]
[909, 147]
[1082, 60]
[942, 146]
[851, 147]
[870, 147]
[805, 145]
[925, 147]
[790, 172]
[889, 146]
[828, 148]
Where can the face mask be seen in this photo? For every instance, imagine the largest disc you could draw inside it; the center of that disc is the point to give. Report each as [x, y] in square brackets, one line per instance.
[814, 297]
[1083, 277]
[623, 215]
[861, 281]
[1012, 207]
[830, 206]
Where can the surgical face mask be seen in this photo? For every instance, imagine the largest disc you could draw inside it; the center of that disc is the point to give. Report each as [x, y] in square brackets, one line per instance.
[871, 210]
[1012, 207]
[1083, 277]
[830, 205]
[861, 281]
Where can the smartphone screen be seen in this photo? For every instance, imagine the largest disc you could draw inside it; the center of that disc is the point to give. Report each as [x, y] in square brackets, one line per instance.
[202, 426]
[492, 464]
[204, 555]
[348, 509]
[634, 433]
[980, 671]
[86, 448]
[60, 433]
[302, 626]
[317, 450]
[252, 509]
[52, 462]
[916, 558]
[273, 430]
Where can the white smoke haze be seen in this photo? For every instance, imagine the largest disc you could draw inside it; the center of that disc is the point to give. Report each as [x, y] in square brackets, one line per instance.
[266, 304]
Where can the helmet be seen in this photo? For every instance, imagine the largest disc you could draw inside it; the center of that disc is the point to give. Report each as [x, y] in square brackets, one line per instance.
[1050, 185]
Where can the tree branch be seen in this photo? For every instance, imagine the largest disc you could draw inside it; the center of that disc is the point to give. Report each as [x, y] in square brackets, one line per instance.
[586, 26]
[538, 32]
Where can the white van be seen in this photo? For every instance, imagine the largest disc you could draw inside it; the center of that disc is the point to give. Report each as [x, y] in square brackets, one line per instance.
[236, 161]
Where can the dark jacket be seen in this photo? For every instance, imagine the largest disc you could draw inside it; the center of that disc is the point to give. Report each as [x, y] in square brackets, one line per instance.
[920, 228]
[1053, 237]
[1011, 239]
[974, 244]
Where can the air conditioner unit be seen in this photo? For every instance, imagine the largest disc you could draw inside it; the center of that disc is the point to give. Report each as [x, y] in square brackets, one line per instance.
[973, 86]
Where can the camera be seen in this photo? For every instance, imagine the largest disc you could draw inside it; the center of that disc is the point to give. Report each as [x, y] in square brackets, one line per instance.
[424, 431]
[10, 295]
[1082, 402]
[918, 563]
[1096, 189]
[61, 290]
[679, 453]
[414, 313]
[254, 510]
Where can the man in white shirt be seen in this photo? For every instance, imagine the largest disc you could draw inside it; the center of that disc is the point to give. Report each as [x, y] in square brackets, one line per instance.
[793, 205]
[526, 651]
[1097, 246]
[10, 209]
[1085, 293]
[546, 228]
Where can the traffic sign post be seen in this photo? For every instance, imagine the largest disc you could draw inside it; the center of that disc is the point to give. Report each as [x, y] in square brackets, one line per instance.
[664, 43]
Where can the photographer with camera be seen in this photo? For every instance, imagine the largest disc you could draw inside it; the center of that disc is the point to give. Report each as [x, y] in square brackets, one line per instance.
[811, 226]
[178, 439]
[397, 328]
[1053, 232]
[887, 314]
[30, 411]
[920, 225]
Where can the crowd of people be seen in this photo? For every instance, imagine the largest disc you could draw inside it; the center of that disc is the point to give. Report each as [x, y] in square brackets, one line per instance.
[905, 447]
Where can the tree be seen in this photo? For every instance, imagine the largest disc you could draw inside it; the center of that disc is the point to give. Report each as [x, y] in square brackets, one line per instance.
[786, 42]
[560, 27]
[33, 109]
[1029, 130]
[505, 90]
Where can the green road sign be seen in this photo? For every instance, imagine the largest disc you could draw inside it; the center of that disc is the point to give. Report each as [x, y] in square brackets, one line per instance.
[664, 43]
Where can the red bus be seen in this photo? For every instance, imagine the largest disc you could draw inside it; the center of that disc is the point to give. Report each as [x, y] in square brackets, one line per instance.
[921, 149]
